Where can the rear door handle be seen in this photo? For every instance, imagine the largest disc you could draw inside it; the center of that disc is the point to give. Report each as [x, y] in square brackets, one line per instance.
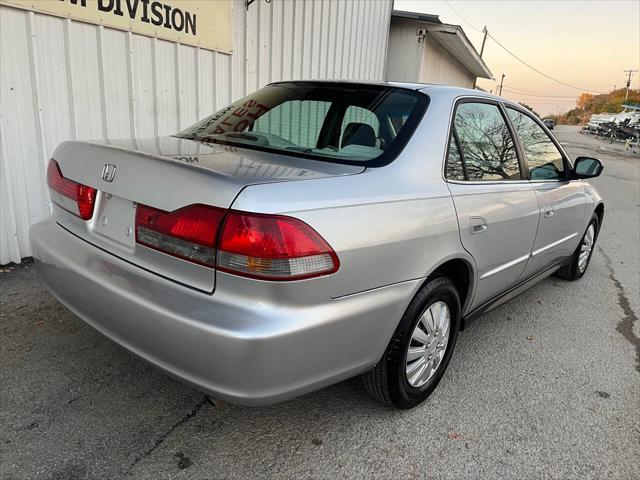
[477, 225]
[548, 211]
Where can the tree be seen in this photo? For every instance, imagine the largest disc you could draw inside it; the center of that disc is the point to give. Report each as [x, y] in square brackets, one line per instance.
[584, 100]
[588, 104]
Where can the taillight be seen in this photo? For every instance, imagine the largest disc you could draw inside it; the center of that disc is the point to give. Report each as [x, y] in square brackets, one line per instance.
[73, 197]
[273, 247]
[269, 247]
[189, 233]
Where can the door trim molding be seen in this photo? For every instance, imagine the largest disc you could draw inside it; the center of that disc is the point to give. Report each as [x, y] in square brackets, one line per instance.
[554, 244]
[504, 266]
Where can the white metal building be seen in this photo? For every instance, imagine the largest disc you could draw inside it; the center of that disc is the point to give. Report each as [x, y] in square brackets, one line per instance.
[423, 49]
[65, 79]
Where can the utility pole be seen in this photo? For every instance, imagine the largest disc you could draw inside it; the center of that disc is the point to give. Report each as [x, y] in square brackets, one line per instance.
[628, 83]
[484, 39]
[501, 81]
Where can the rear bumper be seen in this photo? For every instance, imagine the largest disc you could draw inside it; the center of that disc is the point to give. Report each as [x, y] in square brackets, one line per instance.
[234, 344]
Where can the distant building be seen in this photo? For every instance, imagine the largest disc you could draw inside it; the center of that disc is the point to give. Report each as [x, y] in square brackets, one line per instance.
[423, 49]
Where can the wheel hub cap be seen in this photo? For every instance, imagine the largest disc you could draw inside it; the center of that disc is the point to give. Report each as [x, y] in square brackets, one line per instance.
[428, 344]
[585, 248]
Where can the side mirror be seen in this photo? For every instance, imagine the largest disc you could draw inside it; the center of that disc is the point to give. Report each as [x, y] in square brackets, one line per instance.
[586, 167]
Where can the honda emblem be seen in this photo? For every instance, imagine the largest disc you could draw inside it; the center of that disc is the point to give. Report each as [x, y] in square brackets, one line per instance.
[108, 172]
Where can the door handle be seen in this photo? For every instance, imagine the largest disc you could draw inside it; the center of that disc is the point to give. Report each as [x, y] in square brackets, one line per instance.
[548, 211]
[477, 225]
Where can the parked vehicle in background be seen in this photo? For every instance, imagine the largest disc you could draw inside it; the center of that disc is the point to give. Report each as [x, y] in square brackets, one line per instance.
[549, 123]
[314, 231]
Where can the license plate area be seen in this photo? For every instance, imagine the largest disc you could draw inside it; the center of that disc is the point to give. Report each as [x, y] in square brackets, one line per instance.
[116, 220]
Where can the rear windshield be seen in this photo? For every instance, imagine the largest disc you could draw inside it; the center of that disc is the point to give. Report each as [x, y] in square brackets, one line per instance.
[345, 123]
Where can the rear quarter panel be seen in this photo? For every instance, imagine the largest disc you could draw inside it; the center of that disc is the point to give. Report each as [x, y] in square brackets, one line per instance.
[379, 240]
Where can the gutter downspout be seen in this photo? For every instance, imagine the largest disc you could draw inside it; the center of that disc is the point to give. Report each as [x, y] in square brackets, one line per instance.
[386, 43]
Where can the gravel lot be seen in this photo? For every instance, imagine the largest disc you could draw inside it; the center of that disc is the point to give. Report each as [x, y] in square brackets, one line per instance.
[546, 386]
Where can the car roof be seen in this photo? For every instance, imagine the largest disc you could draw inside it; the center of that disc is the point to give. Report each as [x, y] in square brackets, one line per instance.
[407, 85]
[428, 88]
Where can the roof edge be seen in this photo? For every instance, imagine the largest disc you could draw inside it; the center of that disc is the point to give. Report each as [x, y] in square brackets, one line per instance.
[421, 17]
[480, 69]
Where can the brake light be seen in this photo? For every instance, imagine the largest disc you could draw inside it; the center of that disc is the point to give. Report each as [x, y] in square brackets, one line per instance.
[71, 196]
[273, 247]
[269, 247]
[189, 233]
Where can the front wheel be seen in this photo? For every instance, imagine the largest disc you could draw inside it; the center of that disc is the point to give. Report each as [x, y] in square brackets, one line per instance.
[420, 349]
[580, 259]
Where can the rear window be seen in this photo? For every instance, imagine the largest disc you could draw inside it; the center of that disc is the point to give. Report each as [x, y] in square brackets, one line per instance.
[345, 123]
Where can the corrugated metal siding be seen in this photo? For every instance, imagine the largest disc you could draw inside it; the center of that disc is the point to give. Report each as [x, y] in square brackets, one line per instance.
[61, 79]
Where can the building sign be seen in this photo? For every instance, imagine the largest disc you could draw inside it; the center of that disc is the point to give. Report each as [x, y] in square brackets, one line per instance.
[203, 23]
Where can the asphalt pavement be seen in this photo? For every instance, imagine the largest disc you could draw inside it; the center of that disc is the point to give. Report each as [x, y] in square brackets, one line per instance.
[545, 386]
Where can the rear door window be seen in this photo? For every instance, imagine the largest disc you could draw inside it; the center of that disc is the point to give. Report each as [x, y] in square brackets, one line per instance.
[486, 145]
[545, 162]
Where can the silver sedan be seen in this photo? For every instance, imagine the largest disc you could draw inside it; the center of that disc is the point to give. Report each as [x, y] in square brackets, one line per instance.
[314, 231]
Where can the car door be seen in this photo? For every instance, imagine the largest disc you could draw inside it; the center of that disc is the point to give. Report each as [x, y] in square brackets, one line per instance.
[496, 206]
[562, 202]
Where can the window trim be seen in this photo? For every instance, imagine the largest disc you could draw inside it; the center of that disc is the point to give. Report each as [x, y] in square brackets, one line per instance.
[567, 164]
[524, 171]
[460, 152]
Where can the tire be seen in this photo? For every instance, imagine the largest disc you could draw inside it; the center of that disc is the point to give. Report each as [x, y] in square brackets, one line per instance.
[388, 380]
[573, 270]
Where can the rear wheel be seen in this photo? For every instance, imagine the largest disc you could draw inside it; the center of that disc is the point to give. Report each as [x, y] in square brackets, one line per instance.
[580, 259]
[420, 349]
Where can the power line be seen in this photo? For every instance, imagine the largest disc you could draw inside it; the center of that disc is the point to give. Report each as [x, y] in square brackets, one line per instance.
[534, 68]
[461, 17]
[522, 92]
[542, 102]
[539, 93]
[514, 55]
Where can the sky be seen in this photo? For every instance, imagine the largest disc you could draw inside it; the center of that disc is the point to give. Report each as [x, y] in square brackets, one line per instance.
[584, 43]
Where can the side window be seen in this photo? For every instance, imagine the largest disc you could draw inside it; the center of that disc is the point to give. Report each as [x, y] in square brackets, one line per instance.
[544, 159]
[454, 169]
[487, 147]
[296, 122]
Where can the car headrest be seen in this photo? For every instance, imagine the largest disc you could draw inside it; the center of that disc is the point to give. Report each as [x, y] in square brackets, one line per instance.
[359, 134]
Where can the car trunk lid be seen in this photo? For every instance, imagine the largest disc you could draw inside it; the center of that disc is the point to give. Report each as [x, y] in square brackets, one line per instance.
[168, 174]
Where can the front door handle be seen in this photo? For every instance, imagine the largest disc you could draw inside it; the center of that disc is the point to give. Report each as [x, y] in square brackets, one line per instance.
[477, 225]
[548, 211]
